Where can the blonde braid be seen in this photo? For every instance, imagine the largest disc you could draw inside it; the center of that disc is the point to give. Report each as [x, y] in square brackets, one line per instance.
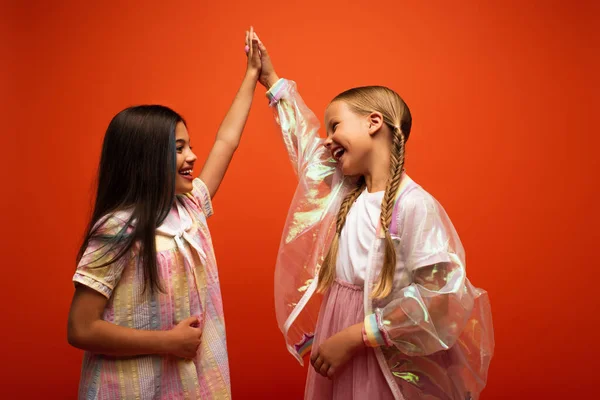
[327, 271]
[386, 278]
[363, 101]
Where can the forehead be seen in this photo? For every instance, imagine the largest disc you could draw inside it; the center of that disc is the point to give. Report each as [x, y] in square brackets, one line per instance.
[337, 109]
[181, 132]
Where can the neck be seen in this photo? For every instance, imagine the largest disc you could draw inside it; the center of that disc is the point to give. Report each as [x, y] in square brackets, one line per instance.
[378, 174]
[376, 183]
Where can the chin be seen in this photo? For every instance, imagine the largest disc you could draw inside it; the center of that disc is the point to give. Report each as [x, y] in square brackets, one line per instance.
[181, 189]
[349, 171]
[352, 173]
[345, 170]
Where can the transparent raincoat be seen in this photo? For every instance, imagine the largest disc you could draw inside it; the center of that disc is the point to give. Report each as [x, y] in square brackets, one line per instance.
[433, 334]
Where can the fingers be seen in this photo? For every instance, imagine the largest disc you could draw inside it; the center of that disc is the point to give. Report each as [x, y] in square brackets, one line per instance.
[330, 372]
[192, 355]
[254, 43]
[199, 334]
[255, 47]
[190, 351]
[261, 45]
[191, 321]
[324, 369]
[262, 48]
[258, 40]
[321, 366]
[317, 364]
[250, 44]
[313, 357]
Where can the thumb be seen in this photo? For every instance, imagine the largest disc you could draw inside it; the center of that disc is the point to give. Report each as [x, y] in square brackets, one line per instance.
[262, 47]
[190, 321]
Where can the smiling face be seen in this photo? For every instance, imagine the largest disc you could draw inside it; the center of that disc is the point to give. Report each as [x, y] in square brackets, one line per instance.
[185, 160]
[348, 138]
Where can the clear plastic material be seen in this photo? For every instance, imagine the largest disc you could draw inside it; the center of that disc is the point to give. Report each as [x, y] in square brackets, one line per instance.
[438, 325]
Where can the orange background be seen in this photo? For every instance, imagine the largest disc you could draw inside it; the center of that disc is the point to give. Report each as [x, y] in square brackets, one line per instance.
[503, 100]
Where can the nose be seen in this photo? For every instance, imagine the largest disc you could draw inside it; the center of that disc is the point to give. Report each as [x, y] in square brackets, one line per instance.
[328, 142]
[191, 157]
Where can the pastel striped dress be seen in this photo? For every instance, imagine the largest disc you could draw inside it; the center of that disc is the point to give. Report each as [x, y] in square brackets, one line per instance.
[188, 272]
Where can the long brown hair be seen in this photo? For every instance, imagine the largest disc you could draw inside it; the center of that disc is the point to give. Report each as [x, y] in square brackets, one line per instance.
[137, 171]
[396, 115]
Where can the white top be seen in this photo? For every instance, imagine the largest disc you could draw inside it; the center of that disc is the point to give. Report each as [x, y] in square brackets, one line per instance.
[357, 237]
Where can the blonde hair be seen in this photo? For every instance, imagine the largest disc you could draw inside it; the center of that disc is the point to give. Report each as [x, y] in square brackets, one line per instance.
[396, 115]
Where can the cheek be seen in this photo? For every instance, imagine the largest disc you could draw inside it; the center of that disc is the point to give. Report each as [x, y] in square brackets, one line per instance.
[351, 136]
[358, 145]
[344, 138]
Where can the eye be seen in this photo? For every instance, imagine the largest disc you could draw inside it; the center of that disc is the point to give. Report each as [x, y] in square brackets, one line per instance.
[191, 148]
[179, 149]
[334, 126]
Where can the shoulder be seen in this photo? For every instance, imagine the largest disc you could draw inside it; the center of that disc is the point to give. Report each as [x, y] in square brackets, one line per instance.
[113, 223]
[417, 200]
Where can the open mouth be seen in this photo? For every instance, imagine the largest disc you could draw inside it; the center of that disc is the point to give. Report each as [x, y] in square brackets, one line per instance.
[186, 173]
[338, 152]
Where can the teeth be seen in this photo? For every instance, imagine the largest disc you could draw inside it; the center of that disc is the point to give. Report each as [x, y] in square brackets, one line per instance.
[338, 153]
[186, 172]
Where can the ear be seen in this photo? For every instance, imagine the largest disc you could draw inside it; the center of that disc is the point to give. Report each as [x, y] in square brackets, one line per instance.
[375, 121]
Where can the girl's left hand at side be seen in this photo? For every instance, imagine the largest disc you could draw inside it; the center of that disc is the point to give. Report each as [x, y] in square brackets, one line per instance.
[253, 53]
[337, 351]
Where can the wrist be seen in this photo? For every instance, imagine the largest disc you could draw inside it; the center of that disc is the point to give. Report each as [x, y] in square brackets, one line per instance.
[355, 336]
[271, 80]
[252, 74]
[166, 340]
[373, 334]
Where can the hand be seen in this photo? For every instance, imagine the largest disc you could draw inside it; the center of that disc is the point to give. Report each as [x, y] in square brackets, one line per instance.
[267, 77]
[337, 351]
[184, 339]
[254, 61]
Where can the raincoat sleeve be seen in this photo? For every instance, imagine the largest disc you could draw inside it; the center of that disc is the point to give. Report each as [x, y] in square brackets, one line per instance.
[431, 313]
[299, 125]
[309, 224]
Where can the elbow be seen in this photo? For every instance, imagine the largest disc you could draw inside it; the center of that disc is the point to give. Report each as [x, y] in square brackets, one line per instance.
[74, 338]
[230, 144]
[449, 339]
[77, 336]
[233, 145]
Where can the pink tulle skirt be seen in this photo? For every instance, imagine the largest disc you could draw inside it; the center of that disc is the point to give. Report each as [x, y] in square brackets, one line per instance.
[361, 378]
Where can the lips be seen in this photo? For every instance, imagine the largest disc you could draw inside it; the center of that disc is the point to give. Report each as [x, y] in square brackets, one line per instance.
[337, 153]
[186, 173]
